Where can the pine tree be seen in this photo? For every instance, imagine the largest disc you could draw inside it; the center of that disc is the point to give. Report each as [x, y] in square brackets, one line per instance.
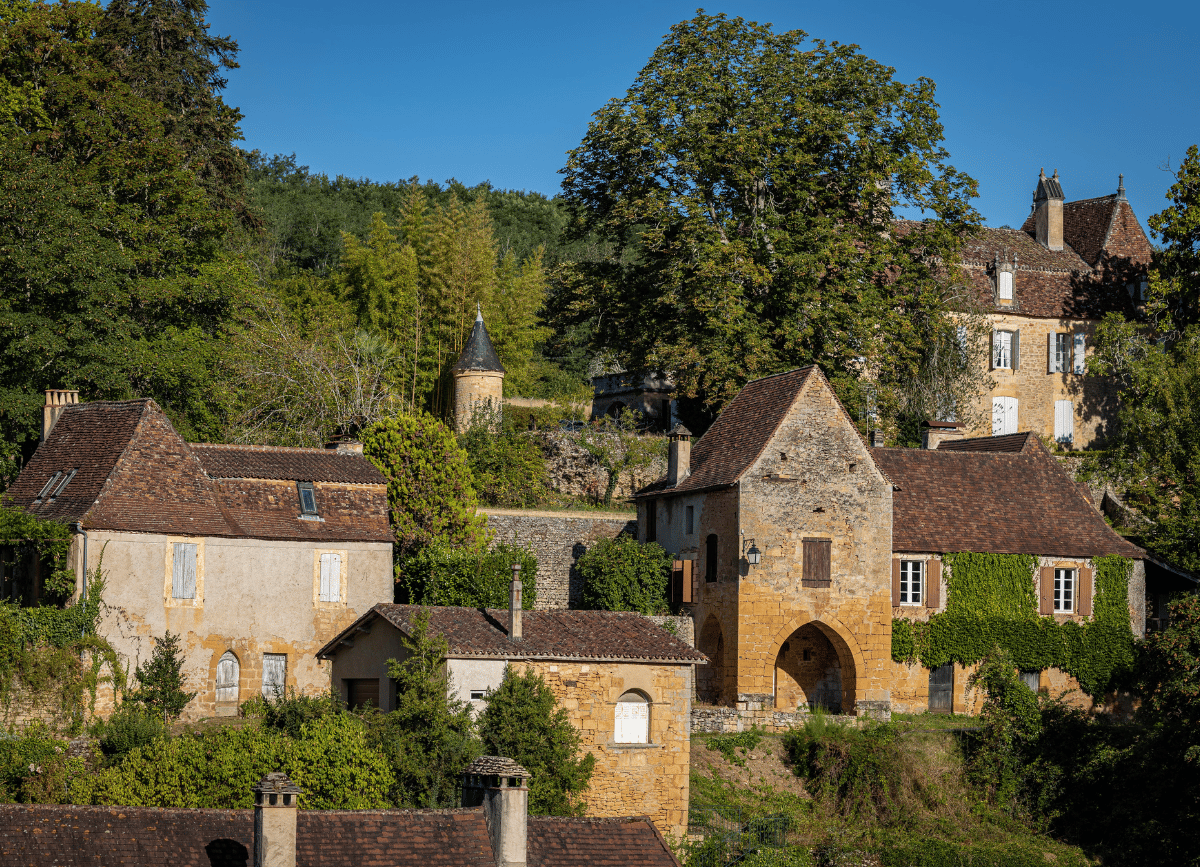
[160, 681]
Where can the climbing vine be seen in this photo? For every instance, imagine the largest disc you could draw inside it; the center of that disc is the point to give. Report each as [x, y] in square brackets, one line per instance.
[991, 602]
[49, 541]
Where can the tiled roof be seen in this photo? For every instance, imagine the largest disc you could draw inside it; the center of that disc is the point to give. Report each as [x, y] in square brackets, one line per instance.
[53, 835]
[499, 765]
[993, 502]
[1017, 442]
[270, 462]
[739, 434]
[556, 634]
[478, 353]
[1092, 228]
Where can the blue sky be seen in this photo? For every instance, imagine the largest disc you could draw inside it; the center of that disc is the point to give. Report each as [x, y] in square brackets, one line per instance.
[500, 91]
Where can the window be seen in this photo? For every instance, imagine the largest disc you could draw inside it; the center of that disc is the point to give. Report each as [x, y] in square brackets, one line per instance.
[632, 719]
[816, 563]
[362, 692]
[183, 571]
[228, 674]
[308, 498]
[331, 578]
[1080, 353]
[1004, 416]
[50, 484]
[710, 558]
[63, 484]
[1064, 422]
[1031, 679]
[478, 694]
[1058, 352]
[1002, 350]
[1064, 591]
[912, 575]
[652, 520]
[1005, 285]
[275, 674]
[689, 526]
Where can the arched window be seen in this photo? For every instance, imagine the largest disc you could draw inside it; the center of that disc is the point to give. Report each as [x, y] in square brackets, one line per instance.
[228, 673]
[633, 718]
[710, 558]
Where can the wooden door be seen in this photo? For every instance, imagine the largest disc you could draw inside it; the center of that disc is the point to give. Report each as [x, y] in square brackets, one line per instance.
[941, 689]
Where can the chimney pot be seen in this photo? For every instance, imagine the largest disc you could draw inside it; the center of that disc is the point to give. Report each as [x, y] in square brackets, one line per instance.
[501, 787]
[275, 821]
[679, 455]
[57, 399]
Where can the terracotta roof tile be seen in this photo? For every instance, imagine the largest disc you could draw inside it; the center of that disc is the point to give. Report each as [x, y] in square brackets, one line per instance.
[270, 462]
[562, 842]
[993, 502]
[1018, 442]
[556, 634]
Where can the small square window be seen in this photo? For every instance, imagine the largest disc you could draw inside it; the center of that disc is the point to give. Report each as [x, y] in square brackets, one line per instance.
[1064, 591]
[308, 498]
[477, 694]
[911, 574]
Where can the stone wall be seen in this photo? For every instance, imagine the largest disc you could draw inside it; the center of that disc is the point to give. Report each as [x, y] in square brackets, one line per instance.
[577, 475]
[725, 720]
[558, 540]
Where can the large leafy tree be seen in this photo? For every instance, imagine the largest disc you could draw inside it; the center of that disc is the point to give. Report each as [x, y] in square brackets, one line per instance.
[746, 184]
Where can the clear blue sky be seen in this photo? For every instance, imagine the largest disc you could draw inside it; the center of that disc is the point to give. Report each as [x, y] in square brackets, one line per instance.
[492, 91]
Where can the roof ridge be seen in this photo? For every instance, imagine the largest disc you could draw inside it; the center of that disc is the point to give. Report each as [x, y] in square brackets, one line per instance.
[1110, 196]
[311, 450]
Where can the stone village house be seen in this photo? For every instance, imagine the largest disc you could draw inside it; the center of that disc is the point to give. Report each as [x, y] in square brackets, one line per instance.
[796, 540]
[255, 555]
[625, 683]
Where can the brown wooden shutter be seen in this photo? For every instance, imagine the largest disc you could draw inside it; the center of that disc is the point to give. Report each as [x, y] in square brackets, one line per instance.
[933, 583]
[688, 593]
[1085, 592]
[816, 563]
[895, 583]
[1047, 591]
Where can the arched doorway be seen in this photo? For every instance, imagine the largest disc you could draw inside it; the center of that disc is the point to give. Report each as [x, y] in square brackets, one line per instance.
[710, 679]
[814, 669]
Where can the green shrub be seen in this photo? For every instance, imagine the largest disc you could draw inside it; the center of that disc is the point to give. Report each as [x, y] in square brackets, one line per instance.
[730, 745]
[475, 577]
[128, 728]
[941, 853]
[856, 771]
[160, 682]
[623, 574]
[507, 465]
[291, 712]
[24, 758]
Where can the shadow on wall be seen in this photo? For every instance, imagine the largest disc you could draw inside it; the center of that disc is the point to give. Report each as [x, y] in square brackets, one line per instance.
[710, 679]
[575, 585]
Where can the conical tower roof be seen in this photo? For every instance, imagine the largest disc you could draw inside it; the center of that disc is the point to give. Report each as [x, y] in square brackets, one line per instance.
[479, 354]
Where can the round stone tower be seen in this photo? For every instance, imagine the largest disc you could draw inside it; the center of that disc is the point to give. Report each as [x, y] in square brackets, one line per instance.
[478, 376]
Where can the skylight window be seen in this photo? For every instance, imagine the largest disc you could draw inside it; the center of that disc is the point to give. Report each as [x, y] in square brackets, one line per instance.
[308, 498]
[50, 484]
[62, 487]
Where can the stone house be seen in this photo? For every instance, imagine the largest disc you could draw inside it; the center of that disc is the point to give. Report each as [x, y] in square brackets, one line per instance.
[1044, 288]
[625, 683]
[255, 555]
[797, 545]
[494, 831]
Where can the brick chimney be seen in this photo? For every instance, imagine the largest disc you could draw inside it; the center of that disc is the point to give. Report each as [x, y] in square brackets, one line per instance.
[938, 432]
[514, 604]
[57, 400]
[679, 455]
[501, 787]
[275, 821]
[1048, 212]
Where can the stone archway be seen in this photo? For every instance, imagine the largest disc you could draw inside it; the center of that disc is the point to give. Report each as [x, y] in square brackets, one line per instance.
[827, 678]
[710, 679]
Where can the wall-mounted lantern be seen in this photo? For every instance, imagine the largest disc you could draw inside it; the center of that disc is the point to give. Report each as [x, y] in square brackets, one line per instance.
[752, 554]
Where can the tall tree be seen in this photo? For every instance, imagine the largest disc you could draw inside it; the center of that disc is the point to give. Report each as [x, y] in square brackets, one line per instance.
[747, 184]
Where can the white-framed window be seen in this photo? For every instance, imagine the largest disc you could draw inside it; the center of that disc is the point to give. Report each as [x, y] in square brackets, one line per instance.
[1004, 285]
[632, 716]
[1002, 350]
[1004, 416]
[912, 582]
[1064, 422]
[183, 571]
[1064, 591]
[1058, 352]
[1080, 353]
[331, 578]
[229, 672]
[274, 674]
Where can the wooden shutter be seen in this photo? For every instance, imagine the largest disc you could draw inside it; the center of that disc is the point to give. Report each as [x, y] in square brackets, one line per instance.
[1080, 352]
[816, 563]
[183, 571]
[933, 583]
[895, 583]
[1046, 594]
[688, 595]
[228, 674]
[1016, 349]
[274, 674]
[331, 578]
[1083, 592]
[1051, 352]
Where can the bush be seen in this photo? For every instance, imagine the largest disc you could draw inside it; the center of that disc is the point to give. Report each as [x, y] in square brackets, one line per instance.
[35, 768]
[475, 577]
[507, 466]
[729, 745]
[622, 574]
[855, 771]
[129, 728]
[290, 713]
[160, 688]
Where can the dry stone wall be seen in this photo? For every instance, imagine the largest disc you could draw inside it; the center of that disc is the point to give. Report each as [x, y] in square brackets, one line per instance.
[577, 475]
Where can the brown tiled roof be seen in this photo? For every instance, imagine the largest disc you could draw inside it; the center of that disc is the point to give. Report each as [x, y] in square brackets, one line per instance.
[557, 634]
[1017, 442]
[53, 835]
[993, 502]
[983, 247]
[739, 434]
[1101, 226]
[270, 462]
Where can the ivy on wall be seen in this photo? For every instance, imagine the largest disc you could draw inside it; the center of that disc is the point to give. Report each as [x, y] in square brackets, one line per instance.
[50, 540]
[992, 601]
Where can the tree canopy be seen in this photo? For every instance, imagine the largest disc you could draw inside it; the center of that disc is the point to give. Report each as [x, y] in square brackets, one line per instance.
[747, 184]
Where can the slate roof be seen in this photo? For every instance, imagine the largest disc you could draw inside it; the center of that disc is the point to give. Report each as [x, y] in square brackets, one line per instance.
[135, 473]
[1000, 502]
[739, 434]
[53, 835]
[556, 634]
[1017, 442]
[478, 353]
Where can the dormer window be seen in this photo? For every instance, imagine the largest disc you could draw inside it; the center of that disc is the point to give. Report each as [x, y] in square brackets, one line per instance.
[63, 485]
[1004, 288]
[49, 486]
[308, 499]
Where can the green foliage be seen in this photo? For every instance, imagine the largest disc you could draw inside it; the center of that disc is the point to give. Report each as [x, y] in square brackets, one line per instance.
[943, 853]
[291, 712]
[507, 464]
[1167, 666]
[729, 745]
[741, 184]
[131, 726]
[160, 681]
[619, 445]
[49, 541]
[430, 495]
[855, 770]
[523, 722]
[1174, 296]
[474, 577]
[429, 739]
[992, 603]
[622, 574]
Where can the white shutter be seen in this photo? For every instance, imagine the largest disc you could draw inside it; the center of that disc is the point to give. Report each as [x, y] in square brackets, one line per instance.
[1080, 354]
[274, 674]
[331, 578]
[183, 571]
[995, 349]
[228, 673]
[1064, 421]
[1051, 348]
[997, 416]
[1011, 424]
[632, 722]
[1006, 285]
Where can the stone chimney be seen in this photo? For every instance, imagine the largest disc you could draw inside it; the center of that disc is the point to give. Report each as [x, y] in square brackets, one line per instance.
[275, 821]
[57, 400]
[679, 455]
[938, 432]
[501, 787]
[514, 604]
[1048, 212]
